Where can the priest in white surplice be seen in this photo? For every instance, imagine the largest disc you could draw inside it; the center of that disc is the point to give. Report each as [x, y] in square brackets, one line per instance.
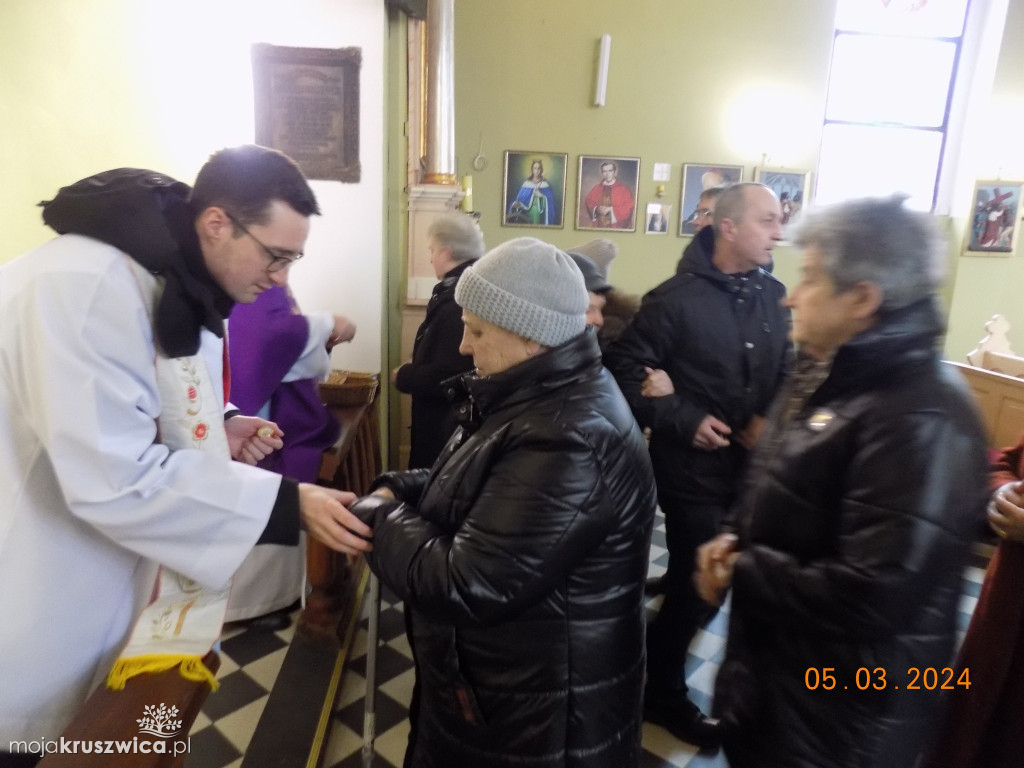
[115, 456]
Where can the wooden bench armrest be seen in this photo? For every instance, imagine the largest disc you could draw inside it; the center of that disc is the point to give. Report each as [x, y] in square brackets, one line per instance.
[111, 717]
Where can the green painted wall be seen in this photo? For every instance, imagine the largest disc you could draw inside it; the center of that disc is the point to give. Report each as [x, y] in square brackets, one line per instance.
[722, 82]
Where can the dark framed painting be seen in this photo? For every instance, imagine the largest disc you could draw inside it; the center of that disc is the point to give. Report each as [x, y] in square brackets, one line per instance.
[995, 214]
[307, 106]
[606, 193]
[534, 189]
[696, 178]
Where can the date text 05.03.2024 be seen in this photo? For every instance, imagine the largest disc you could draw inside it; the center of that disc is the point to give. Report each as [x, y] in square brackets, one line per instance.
[880, 679]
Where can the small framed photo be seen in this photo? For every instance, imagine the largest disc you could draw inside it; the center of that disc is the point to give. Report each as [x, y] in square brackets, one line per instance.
[793, 188]
[995, 214]
[534, 190]
[657, 219]
[696, 178]
[606, 193]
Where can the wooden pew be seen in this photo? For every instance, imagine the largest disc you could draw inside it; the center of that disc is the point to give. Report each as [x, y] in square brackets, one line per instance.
[996, 376]
[113, 716]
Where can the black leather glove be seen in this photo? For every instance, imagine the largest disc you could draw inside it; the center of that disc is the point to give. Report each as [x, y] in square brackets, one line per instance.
[407, 486]
[371, 509]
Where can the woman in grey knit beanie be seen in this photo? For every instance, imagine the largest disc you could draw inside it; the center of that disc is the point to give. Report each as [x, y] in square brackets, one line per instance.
[521, 553]
[529, 289]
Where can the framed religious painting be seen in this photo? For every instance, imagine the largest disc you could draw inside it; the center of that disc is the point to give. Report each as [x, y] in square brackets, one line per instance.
[606, 193]
[793, 188]
[993, 221]
[534, 189]
[657, 218]
[696, 178]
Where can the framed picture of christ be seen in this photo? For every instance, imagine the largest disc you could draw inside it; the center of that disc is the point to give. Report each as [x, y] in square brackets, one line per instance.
[606, 193]
[994, 218]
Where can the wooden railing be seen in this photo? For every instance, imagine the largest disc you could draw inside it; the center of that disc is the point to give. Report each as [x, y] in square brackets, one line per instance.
[110, 721]
[351, 465]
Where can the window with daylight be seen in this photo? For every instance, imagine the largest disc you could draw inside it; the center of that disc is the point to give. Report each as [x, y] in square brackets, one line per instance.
[891, 85]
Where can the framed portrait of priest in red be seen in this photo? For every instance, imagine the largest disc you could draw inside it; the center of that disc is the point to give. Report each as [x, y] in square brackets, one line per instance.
[606, 193]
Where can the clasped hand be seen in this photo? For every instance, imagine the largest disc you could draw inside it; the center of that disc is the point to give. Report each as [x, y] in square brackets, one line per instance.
[251, 439]
[715, 562]
[1006, 511]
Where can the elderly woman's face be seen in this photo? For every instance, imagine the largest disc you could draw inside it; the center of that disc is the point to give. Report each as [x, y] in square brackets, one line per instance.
[823, 317]
[493, 349]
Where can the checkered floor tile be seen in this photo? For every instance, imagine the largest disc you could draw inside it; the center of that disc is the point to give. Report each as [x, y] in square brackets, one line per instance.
[251, 660]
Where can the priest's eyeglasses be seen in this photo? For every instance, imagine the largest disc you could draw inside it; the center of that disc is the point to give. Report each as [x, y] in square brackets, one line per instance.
[277, 262]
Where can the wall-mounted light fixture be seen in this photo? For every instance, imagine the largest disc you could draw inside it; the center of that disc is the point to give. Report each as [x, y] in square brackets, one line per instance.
[601, 87]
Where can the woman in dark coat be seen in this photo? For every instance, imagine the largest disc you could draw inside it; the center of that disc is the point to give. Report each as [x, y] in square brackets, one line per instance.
[522, 553]
[455, 242]
[857, 514]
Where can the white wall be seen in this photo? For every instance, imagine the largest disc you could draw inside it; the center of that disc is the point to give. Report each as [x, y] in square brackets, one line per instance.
[89, 85]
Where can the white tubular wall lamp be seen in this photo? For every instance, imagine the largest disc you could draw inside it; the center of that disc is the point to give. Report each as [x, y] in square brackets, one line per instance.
[601, 87]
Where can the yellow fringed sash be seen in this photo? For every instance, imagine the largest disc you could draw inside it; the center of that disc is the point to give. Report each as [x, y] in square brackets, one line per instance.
[192, 668]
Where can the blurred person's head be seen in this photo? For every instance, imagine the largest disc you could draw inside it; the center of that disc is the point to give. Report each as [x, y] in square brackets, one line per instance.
[705, 213]
[863, 259]
[609, 170]
[453, 238]
[537, 170]
[597, 288]
[520, 299]
[601, 251]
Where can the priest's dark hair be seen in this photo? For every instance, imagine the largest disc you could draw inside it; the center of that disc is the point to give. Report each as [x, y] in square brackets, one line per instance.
[245, 180]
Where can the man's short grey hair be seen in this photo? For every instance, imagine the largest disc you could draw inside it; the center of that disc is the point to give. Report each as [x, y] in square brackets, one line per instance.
[878, 240]
[713, 193]
[460, 232]
[732, 202]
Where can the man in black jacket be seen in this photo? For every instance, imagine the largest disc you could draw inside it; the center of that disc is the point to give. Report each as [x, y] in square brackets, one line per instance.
[699, 365]
[853, 525]
[455, 242]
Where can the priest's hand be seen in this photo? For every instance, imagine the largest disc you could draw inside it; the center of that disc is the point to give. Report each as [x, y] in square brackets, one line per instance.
[343, 330]
[325, 516]
[251, 440]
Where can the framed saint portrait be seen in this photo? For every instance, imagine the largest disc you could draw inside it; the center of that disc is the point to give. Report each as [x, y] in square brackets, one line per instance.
[994, 218]
[534, 189]
[657, 218]
[696, 178]
[606, 193]
[793, 188]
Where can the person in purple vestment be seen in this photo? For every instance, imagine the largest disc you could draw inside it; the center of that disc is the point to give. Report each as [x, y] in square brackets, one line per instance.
[278, 355]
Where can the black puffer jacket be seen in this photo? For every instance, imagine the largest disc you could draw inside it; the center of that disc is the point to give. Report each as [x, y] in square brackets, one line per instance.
[435, 358]
[523, 563]
[855, 522]
[723, 340]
